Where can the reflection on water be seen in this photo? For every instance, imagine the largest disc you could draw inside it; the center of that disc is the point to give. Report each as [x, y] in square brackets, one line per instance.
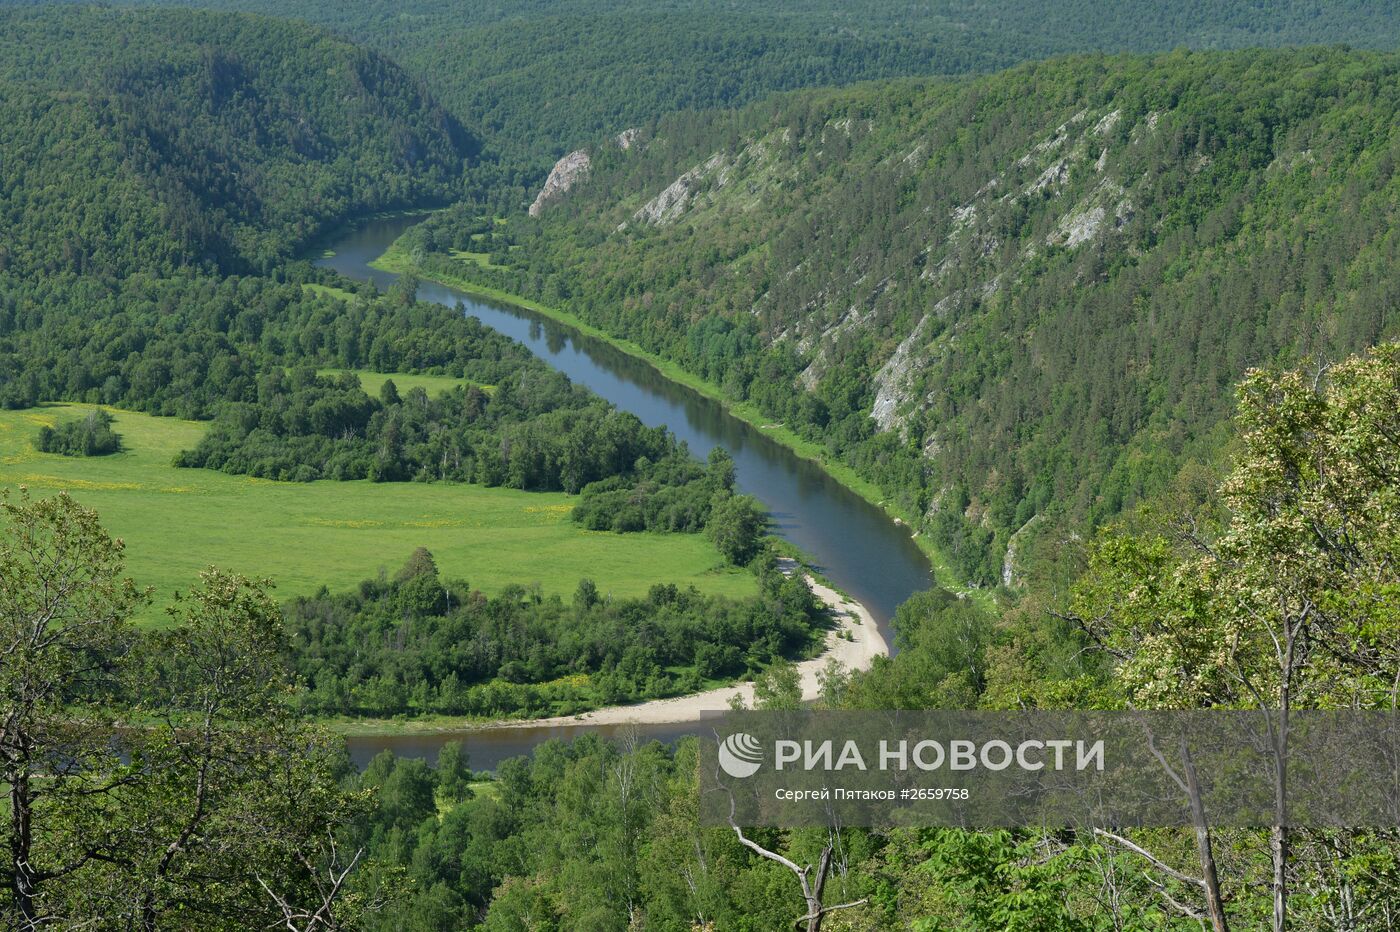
[853, 543]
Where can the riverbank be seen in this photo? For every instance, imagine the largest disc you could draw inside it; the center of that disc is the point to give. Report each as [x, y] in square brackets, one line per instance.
[397, 261]
[849, 618]
[853, 641]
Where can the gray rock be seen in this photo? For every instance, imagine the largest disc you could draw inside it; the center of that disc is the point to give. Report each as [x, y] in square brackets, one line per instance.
[566, 173]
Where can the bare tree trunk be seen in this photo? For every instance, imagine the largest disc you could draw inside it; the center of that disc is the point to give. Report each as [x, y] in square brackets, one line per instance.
[1210, 878]
[812, 883]
[1278, 837]
[22, 880]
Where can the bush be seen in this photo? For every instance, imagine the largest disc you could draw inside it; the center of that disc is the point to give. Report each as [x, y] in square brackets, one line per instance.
[88, 436]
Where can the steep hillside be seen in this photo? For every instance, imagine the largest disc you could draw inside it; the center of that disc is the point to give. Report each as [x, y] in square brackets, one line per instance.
[538, 78]
[1026, 295]
[162, 139]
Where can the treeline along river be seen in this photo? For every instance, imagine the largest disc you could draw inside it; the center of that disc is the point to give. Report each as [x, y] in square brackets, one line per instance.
[855, 544]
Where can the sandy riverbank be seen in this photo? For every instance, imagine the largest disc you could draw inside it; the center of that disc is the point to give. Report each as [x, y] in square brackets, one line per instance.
[856, 654]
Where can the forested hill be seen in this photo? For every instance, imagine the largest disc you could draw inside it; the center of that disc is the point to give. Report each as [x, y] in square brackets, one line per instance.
[537, 78]
[161, 139]
[1018, 296]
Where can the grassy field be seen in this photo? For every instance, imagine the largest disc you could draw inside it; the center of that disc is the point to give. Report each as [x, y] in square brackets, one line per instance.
[340, 293]
[405, 381]
[482, 259]
[177, 521]
[397, 260]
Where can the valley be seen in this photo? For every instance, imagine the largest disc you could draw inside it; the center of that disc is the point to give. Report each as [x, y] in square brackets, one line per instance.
[388, 519]
[956, 276]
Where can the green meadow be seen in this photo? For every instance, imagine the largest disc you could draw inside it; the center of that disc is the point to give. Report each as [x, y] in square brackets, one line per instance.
[340, 293]
[405, 381]
[304, 535]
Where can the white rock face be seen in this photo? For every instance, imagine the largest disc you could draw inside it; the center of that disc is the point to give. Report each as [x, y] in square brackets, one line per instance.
[671, 203]
[1082, 226]
[1010, 576]
[1107, 124]
[567, 172]
[1089, 218]
[625, 138]
[892, 380]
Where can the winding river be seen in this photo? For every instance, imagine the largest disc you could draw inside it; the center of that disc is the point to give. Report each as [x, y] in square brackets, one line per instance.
[852, 542]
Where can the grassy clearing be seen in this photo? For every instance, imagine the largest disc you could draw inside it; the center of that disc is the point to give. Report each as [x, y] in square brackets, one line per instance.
[406, 381]
[482, 259]
[333, 292]
[178, 521]
[481, 789]
[397, 260]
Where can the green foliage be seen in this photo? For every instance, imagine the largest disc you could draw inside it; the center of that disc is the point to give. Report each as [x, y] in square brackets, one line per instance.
[942, 642]
[151, 141]
[536, 431]
[1290, 596]
[185, 345]
[1046, 278]
[536, 79]
[454, 776]
[737, 524]
[88, 436]
[675, 494]
[997, 880]
[418, 644]
[137, 769]
[587, 835]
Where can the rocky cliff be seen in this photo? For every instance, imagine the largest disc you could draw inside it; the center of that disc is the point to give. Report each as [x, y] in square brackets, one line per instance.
[566, 173]
[990, 296]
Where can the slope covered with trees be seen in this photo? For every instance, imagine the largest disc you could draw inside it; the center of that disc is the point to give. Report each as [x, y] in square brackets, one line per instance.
[1299, 529]
[159, 140]
[538, 78]
[1011, 301]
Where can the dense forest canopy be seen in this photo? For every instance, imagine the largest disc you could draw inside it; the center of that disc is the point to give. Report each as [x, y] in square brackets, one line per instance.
[418, 644]
[152, 141]
[537, 78]
[1006, 300]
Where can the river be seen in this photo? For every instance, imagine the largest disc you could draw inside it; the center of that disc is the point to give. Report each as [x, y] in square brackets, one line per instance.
[855, 544]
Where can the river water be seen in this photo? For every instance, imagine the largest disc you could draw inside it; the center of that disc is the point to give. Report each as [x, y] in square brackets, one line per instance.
[852, 542]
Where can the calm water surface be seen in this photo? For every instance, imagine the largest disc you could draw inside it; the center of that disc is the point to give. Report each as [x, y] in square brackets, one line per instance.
[854, 543]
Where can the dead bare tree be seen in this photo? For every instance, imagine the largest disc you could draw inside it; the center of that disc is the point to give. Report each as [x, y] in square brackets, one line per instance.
[1209, 881]
[812, 878]
[327, 884]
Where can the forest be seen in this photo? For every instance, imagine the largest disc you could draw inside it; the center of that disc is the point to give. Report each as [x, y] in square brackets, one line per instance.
[1112, 333]
[151, 142]
[155, 323]
[534, 79]
[1013, 303]
[419, 644]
